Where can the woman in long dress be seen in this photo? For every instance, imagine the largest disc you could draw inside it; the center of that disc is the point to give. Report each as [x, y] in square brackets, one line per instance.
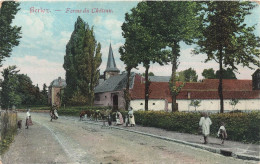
[119, 118]
[28, 121]
[131, 116]
[205, 123]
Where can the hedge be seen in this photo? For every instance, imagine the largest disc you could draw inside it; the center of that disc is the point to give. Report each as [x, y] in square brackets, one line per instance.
[75, 111]
[243, 127]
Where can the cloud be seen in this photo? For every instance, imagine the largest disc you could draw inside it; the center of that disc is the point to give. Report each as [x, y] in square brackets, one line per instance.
[39, 70]
[108, 27]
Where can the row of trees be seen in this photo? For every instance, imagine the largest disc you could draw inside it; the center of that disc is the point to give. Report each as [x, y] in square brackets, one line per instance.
[17, 89]
[81, 63]
[190, 75]
[153, 32]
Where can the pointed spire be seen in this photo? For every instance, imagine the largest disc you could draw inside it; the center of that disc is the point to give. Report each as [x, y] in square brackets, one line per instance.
[111, 64]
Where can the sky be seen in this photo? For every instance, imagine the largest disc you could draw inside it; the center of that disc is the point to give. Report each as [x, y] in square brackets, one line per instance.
[47, 27]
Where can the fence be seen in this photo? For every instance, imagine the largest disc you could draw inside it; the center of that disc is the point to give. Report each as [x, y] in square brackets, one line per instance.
[8, 124]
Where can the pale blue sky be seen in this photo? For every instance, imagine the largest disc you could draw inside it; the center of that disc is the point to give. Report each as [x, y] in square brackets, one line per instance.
[41, 52]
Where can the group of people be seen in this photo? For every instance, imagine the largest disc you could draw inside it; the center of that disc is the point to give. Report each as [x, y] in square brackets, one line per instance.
[205, 123]
[28, 121]
[129, 118]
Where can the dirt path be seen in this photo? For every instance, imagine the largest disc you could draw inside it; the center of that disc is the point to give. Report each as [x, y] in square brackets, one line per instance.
[68, 140]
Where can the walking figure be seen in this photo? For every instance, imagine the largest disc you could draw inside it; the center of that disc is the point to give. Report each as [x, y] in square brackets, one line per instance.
[222, 133]
[205, 123]
[28, 121]
[131, 116]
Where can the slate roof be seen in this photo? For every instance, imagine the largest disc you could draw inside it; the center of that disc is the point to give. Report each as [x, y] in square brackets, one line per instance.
[159, 78]
[111, 64]
[60, 83]
[115, 83]
[208, 89]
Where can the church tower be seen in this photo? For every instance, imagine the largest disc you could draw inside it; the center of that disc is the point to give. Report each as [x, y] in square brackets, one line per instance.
[111, 69]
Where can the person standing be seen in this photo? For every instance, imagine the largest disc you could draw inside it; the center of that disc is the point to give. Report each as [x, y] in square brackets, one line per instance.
[131, 116]
[205, 123]
[28, 121]
[119, 118]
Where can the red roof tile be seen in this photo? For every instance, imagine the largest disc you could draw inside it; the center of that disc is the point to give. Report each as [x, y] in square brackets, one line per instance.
[208, 89]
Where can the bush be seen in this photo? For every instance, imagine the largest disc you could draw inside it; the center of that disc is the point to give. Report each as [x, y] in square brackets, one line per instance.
[240, 126]
[75, 111]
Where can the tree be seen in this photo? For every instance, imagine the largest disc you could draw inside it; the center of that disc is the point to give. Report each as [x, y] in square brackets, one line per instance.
[149, 74]
[226, 74]
[127, 52]
[227, 39]
[233, 103]
[9, 35]
[9, 97]
[172, 23]
[88, 65]
[147, 48]
[188, 75]
[81, 63]
[44, 93]
[209, 73]
[195, 103]
[73, 48]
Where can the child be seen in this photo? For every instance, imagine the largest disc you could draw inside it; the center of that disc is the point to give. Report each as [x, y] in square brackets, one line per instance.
[126, 120]
[222, 133]
[109, 120]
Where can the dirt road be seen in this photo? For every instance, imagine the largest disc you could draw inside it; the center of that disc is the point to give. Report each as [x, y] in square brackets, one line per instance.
[68, 140]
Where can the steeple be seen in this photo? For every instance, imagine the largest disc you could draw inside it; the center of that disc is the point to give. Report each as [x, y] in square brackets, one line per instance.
[111, 69]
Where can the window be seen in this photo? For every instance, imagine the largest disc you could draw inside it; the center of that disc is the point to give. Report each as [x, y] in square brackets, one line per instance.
[153, 103]
[97, 97]
[141, 104]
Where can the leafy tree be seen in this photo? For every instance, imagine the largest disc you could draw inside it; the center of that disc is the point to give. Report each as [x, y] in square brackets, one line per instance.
[233, 103]
[26, 90]
[81, 64]
[44, 94]
[127, 52]
[9, 34]
[147, 48]
[149, 74]
[227, 39]
[226, 74]
[73, 48]
[87, 65]
[172, 23]
[188, 75]
[9, 97]
[195, 103]
[209, 73]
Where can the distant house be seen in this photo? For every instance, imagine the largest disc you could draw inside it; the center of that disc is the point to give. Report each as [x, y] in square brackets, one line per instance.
[205, 91]
[110, 91]
[56, 89]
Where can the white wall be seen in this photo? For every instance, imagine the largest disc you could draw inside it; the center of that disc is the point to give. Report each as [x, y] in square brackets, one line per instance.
[208, 105]
[152, 104]
[214, 105]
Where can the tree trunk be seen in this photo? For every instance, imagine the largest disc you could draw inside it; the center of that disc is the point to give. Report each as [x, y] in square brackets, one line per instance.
[127, 94]
[220, 88]
[147, 84]
[174, 68]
